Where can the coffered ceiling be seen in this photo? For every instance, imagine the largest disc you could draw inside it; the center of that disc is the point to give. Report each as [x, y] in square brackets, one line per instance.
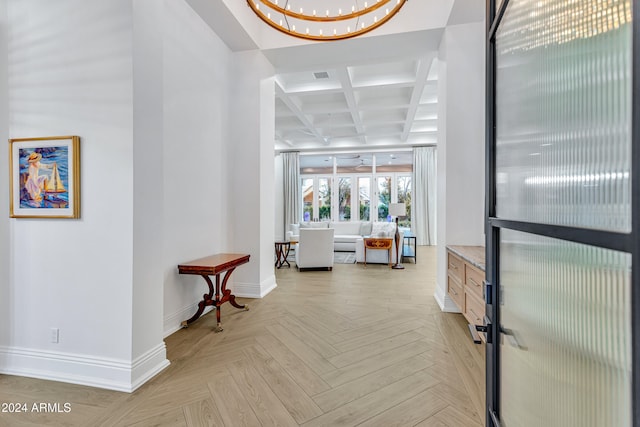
[389, 103]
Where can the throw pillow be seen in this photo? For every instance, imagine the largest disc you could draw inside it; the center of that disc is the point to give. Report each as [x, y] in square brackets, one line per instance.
[314, 225]
[383, 229]
[365, 229]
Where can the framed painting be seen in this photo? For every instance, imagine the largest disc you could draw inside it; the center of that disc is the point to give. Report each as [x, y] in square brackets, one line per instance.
[45, 177]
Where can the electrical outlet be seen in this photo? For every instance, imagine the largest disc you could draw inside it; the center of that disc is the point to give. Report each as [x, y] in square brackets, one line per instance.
[55, 335]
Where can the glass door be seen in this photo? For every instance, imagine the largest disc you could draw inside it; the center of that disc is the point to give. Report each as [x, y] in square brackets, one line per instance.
[403, 189]
[324, 198]
[344, 198]
[307, 199]
[383, 191]
[563, 211]
[364, 198]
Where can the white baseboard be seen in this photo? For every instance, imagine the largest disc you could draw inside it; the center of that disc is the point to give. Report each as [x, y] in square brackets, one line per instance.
[148, 365]
[254, 290]
[445, 302]
[107, 373]
[172, 323]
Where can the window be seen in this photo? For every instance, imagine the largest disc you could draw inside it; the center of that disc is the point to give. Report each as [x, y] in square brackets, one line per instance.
[344, 199]
[364, 198]
[384, 197]
[363, 186]
[404, 196]
[307, 199]
[324, 199]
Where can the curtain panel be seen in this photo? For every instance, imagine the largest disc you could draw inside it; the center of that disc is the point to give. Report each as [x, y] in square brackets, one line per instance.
[291, 174]
[424, 198]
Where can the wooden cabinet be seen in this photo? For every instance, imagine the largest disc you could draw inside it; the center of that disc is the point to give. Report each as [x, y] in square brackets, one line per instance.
[465, 274]
[455, 279]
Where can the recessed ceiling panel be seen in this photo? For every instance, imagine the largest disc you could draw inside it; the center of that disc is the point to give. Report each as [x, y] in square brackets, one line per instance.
[332, 119]
[340, 132]
[371, 118]
[319, 102]
[288, 123]
[424, 126]
[427, 112]
[430, 93]
[384, 129]
[391, 96]
[383, 74]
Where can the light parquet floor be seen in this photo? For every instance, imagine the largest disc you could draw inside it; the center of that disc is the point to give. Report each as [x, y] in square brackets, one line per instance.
[353, 347]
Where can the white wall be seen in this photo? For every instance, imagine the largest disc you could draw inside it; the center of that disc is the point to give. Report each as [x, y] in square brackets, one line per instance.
[5, 264]
[195, 131]
[461, 122]
[70, 73]
[149, 351]
[279, 231]
[177, 163]
[251, 202]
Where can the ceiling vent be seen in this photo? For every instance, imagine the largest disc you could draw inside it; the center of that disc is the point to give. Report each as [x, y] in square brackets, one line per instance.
[321, 75]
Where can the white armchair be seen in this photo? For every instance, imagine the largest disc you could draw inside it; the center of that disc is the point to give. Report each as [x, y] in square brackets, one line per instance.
[315, 248]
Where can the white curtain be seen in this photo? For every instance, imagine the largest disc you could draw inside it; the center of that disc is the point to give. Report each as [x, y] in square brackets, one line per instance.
[291, 178]
[423, 216]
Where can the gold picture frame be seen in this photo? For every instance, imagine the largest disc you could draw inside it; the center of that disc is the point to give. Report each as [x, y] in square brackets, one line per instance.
[44, 177]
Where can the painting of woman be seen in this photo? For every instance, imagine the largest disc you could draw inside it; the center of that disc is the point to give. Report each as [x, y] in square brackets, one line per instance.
[35, 181]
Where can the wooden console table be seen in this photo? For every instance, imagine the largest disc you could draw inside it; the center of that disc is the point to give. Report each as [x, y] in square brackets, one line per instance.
[378, 243]
[214, 265]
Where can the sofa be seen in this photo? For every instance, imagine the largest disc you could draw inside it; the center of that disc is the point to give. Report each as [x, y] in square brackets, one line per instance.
[349, 237]
[346, 233]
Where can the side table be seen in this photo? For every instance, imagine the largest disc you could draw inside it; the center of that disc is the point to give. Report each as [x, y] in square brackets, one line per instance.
[409, 250]
[378, 243]
[214, 265]
[282, 252]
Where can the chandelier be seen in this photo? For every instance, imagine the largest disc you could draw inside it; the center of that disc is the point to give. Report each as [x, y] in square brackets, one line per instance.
[326, 19]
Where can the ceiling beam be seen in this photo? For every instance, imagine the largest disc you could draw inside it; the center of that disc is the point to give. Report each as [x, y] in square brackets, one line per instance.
[295, 108]
[345, 81]
[424, 65]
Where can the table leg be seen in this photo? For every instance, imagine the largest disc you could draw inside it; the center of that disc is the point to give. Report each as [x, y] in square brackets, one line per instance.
[207, 300]
[287, 248]
[222, 295]
[278, 254]
[282, 252]
[218, 304]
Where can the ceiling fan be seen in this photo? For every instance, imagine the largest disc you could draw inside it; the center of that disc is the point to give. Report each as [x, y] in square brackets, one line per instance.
[359, 162]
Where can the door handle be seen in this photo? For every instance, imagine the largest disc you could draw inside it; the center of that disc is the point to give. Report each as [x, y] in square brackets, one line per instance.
[485, 329]
[475, 336]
